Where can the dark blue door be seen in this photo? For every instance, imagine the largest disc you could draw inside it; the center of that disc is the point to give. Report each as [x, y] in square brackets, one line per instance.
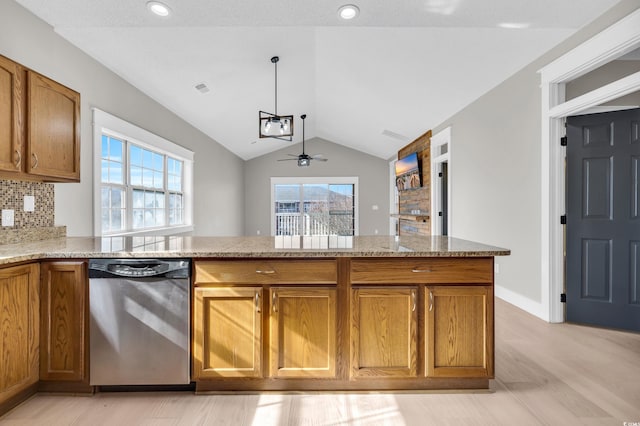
[603, 219]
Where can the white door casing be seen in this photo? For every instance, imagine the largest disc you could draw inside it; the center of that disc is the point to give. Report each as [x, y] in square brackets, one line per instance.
[613, 42]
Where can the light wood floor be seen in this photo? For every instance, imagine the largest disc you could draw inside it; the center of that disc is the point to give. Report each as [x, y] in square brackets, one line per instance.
[552, 374]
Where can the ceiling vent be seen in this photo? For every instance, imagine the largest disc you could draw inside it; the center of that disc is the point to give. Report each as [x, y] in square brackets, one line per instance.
[202, 88]
[395, 135]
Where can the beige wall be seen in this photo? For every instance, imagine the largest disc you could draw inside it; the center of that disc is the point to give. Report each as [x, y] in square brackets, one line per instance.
[218, 173]
[496, 166]
[372, 172]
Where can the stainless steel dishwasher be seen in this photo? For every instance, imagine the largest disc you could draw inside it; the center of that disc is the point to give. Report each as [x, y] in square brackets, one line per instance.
[139, 333]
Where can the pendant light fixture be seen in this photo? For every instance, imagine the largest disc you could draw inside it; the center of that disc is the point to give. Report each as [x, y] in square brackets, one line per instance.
[273, 125]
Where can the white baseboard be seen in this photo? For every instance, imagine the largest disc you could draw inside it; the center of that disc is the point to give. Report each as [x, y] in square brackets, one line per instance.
[522, 302]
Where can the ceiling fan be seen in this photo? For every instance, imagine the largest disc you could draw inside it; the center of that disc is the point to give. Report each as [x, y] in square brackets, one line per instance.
[304, 159]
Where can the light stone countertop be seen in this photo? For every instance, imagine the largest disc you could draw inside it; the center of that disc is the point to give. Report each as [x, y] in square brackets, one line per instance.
[245, 247]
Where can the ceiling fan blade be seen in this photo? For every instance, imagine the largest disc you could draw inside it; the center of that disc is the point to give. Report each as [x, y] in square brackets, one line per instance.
[288, 159]
[293, 155]
[319, 159]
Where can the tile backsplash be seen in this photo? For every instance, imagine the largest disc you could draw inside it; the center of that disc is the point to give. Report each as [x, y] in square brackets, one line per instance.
[28, 226]
[12, 197]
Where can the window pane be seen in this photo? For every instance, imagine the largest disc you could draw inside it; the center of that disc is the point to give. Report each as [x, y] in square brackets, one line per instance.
[106, 227]
[104, 198]
[117, 198]
[138, 199]
[115, 173]
[136, 176]
[159, 217]
[158, 162]
[159, 200]
[116, 220]
[136, 155]
[115, 150]
[147, 159]
[148, 218]
[147, 178]
[158, 180]
[105, 147]
[104, 172]
[138, 218]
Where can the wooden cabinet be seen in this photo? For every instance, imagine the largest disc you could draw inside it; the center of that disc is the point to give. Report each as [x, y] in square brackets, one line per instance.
[227, 332]
[11, 116]
[19, 331]
[64, 321]
[459, 331]
[343, 324]
[384, 324]
[39, 126]
[53, 148]
[302, 332]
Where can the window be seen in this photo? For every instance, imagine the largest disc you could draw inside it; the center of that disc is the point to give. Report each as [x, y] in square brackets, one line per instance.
[143, 181]
[314, 206]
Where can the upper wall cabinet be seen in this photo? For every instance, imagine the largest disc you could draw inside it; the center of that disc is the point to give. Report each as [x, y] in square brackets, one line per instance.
[11, 116]
[40, 133]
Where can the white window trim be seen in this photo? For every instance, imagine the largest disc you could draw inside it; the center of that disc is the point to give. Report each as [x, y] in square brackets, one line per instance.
[103, 122]
[611, 43]
[316, 180]
[443, 138]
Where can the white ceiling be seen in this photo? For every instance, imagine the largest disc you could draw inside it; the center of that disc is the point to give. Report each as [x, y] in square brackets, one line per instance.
[372, 84]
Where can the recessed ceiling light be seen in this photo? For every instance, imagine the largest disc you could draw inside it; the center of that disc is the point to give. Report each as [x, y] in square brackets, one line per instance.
[158, 8]
[514, 25]
[348, 11]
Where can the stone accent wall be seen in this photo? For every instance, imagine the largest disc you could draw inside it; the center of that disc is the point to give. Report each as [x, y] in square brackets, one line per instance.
[418, 199]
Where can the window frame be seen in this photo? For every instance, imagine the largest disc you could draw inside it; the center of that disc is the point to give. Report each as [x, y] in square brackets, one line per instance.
[111, 126]
[321, 181]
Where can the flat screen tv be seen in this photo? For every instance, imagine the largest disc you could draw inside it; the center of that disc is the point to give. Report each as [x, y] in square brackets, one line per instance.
[408, 172]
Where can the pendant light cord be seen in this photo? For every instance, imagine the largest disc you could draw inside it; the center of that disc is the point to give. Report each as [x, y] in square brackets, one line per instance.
[276, 86]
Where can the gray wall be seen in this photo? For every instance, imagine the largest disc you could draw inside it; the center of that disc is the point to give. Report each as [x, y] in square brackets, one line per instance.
[604, 75]
[218, 173]
[372, 172]
[496, 167]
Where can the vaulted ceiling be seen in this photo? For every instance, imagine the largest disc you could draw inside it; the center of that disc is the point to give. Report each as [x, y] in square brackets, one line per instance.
[372, 84]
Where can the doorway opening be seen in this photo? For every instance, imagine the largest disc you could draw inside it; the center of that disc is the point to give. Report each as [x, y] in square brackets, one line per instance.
[616, 41]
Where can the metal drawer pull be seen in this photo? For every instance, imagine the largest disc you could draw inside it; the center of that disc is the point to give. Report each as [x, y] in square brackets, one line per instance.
[258, 302]
[413, 299]
[420, 271]
[18, 159]
[274, 302]
[265, 272]
[35, 160]
[430, 301]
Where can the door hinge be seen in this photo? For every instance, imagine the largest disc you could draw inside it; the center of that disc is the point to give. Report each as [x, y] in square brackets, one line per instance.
[563, 219]
[563, 141]
[440, 174]
[440, 214]
[563, 297]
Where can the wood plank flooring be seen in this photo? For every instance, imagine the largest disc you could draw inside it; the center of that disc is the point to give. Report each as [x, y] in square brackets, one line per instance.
[546, 374]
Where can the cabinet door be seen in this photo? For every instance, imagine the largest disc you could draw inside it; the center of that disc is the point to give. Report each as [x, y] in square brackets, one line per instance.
[459, 326]
[383, 332]
[54, 130]
[11, 115]
[227, 325]
[19, 329]
[303, 332]
[63, 310]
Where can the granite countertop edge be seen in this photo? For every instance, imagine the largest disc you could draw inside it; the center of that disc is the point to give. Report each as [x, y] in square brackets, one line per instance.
[243, 247]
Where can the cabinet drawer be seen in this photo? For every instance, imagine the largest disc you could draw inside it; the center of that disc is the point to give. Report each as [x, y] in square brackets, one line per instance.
[477, 270]
[266, 271]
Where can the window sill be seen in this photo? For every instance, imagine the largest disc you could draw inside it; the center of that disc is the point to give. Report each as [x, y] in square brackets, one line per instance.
[174, 230]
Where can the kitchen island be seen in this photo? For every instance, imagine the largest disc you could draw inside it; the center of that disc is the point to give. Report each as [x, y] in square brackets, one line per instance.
[331, 313]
